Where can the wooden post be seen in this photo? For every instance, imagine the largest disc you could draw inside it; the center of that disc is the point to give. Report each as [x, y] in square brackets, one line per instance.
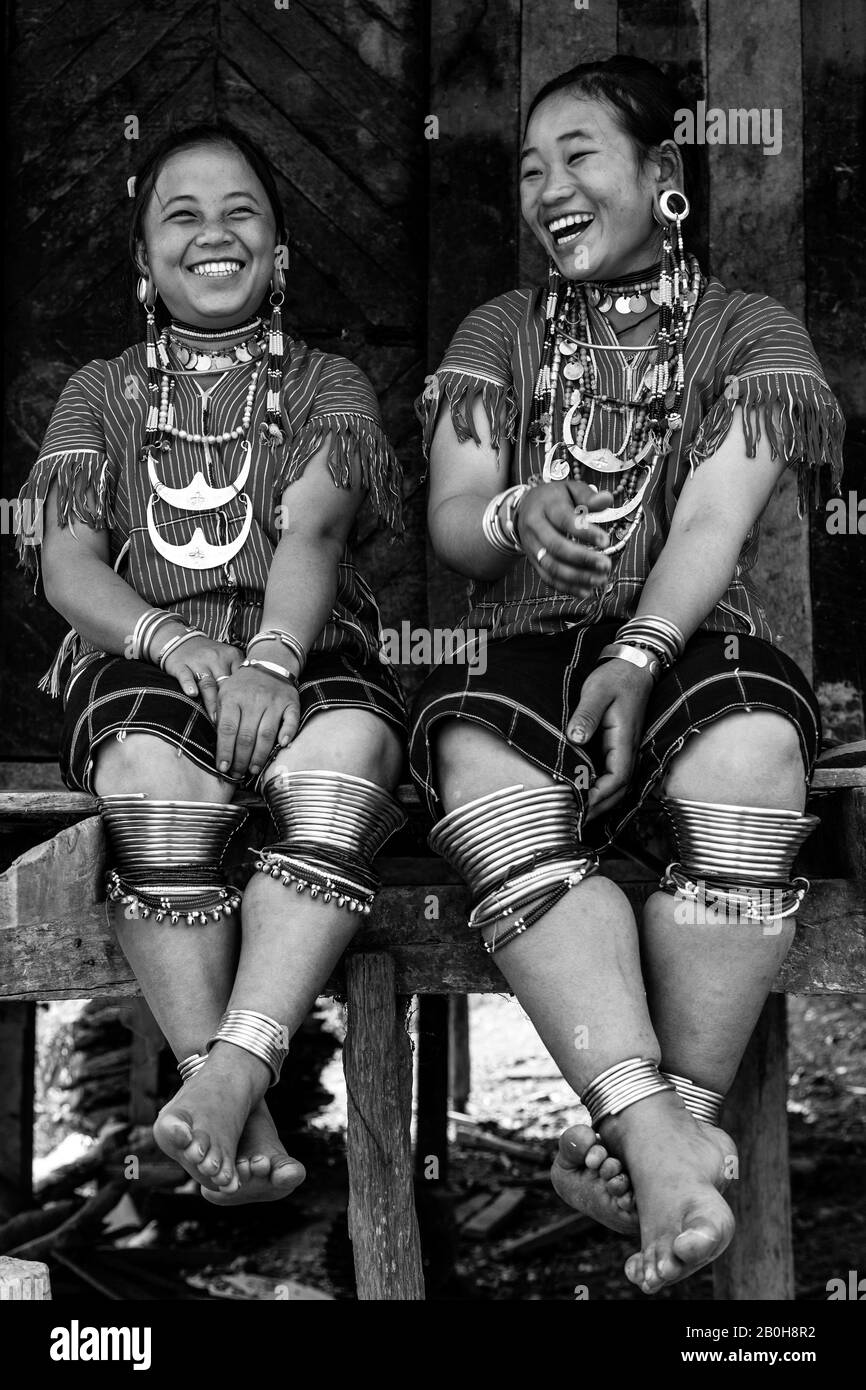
[431, 1140]
[378, 1065]
[23, 1279]
[459, 1062]
[17, 1060]
[759, 1264]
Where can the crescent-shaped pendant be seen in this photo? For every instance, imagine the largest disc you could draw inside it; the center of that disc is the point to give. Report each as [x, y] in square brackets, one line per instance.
[199, 496]
[198, 554]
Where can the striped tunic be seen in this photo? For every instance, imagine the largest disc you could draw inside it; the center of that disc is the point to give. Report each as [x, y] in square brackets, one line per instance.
[92, 449]
[742, 349]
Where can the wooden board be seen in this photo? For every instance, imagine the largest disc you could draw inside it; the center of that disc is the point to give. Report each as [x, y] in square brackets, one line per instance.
[77, 957]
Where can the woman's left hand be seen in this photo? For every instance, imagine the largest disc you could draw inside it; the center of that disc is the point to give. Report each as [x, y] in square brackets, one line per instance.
[613, 697]
[255, 710]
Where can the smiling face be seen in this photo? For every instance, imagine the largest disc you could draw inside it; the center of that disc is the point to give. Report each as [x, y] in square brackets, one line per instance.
[209, 237]
[582, 186]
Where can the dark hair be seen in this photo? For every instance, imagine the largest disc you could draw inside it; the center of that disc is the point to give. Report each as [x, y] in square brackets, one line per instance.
[645, 101]
[185, 138]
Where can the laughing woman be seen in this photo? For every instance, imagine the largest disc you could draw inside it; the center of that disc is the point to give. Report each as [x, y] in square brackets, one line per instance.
[222, 638]
[601, 451]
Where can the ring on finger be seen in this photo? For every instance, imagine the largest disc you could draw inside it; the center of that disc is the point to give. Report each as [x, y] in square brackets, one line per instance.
[221, 678]
[540, 554]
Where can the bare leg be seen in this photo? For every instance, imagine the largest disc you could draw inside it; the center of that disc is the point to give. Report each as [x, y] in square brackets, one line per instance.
[707, 982]
[185, 973]
[577, 974]
[291, 942]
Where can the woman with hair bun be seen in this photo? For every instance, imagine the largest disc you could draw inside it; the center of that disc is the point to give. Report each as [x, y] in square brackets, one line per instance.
[601, 450]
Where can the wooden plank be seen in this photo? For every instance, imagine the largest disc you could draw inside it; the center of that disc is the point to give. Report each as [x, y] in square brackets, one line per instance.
[554, 37]
[24, 1279]
[759, 1264]
[756, 232]
[495, 1216]
[673, 33]
[77, 957]
[377, 1061]
[834, 60]
[144, 1054]
[472, 201]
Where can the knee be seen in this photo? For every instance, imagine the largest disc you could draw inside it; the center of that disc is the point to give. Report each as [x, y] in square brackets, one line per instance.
[145, 763]
[472, 762]
[353, 741]
[749, 759]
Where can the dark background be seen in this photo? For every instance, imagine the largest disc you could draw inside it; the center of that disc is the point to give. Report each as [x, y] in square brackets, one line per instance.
[394, 237]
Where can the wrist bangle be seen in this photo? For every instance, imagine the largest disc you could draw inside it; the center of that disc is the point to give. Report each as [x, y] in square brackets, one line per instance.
[174, 642]
[636, 656]
[281, 672]
[497, 522]
[286, 639]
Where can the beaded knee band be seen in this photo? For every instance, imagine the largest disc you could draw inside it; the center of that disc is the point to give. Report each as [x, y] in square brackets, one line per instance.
[622, 1085]
[169, 855]
[331, 826]
[702, 1104]
[519, 852]
[737, 857]
[257, 1034]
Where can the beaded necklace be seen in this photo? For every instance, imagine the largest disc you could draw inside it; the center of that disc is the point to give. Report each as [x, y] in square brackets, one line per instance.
[651, 413]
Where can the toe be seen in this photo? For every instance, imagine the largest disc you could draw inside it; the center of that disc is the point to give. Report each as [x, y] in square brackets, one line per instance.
[198, 1146]
[260, 1165]
[618, 1186]
[288, 1174]
[611, 1168]
[595, 1157]
[574, 1145]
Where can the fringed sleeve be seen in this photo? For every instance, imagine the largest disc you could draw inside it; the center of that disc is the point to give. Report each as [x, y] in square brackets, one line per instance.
[74, 455]
[475, 369]
[776, 379]
[359, 450]
[461, 390]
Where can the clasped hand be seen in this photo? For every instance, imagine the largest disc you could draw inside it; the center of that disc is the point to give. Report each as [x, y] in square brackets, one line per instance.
[252, 709]
[554, 522]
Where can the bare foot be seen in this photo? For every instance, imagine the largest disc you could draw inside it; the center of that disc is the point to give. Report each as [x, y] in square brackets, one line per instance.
[200, 1127]
[589, 1179]
[679, 1169]
[265, 1170]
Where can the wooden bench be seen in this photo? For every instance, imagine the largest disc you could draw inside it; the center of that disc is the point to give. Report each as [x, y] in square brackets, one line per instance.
[56, 943]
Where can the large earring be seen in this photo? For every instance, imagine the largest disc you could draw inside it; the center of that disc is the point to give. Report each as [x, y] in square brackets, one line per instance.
[146, 291]
[272, 430]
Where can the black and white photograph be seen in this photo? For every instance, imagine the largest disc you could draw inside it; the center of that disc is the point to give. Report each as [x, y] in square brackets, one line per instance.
[432, 738]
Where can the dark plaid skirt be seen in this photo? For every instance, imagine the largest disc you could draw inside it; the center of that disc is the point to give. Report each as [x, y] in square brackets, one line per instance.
[111, 696]
[531, 686]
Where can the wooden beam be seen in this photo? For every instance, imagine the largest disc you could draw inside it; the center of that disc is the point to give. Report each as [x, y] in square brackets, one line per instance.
[459, 1058]
[376, 1056]
[24, 1279]
[759, 1264]
[17, 1060]
[756, 234]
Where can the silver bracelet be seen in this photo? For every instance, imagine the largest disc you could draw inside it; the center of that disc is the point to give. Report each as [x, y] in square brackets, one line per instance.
[498, 529]
[281, 672]
[287, 639]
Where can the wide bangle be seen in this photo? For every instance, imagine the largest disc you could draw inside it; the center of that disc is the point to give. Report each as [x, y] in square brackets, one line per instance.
[636, 656]
[281, 672]
[286, 639]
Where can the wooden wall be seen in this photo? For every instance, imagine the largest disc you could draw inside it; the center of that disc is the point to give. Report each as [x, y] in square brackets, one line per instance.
[395, 236]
